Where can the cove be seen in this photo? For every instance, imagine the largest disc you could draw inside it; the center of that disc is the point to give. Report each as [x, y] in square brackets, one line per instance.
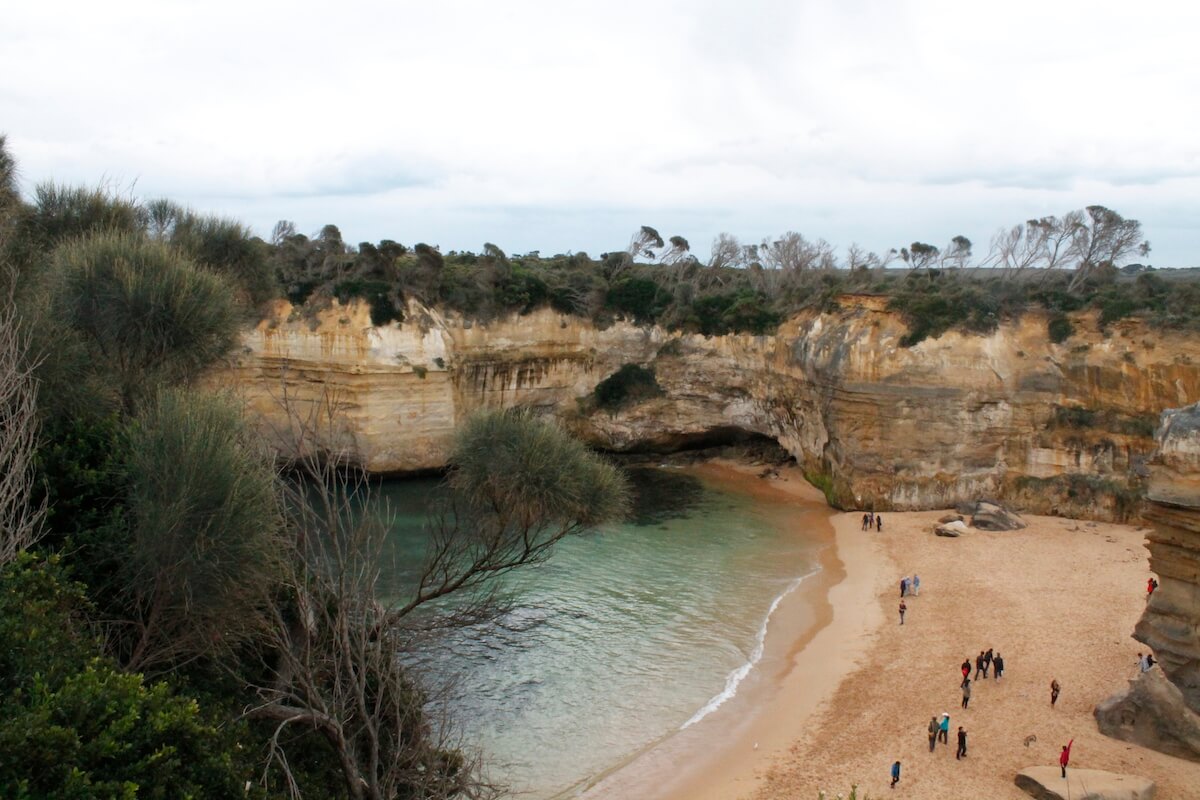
[625, 636]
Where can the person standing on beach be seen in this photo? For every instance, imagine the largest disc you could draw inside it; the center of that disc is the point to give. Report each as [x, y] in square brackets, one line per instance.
[1054, 690]
[966, 668]
[944, 728]
[895, 774]
[979, 665]
[903, 608]
[1064, 757]
[916, 585]
[1142, 665]
[966, 687]
[962, 744]
[878, 523]
[933, 732]
[1151, 585]
[987, 661]
[998, 663]
[903, 586]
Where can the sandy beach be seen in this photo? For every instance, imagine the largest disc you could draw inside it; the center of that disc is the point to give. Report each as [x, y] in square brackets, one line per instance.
[844, 690]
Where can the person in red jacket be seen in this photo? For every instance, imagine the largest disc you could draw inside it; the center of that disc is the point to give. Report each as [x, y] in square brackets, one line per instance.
[1065, 757]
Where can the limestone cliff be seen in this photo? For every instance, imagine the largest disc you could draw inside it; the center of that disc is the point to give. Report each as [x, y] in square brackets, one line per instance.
[1161, 709]
[1053, 427]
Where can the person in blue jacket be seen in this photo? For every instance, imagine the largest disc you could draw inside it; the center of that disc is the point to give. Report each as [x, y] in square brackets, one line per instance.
[895, 774]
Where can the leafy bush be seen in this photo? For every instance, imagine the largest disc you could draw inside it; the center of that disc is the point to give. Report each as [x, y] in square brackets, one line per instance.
[1059, 329]
[73, 726]
[641, 298]
[376, 293]
[630, 383]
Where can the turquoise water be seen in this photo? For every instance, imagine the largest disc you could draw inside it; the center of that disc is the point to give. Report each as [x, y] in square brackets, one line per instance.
[621, 638]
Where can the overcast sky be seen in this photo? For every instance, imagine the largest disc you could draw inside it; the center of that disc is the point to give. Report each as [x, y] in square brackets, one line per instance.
[563, 126]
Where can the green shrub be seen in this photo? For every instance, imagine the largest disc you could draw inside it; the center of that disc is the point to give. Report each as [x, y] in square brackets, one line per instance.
[1059, 329]
[73, 726]
[629, 384]
[378, 296]
[641, 298]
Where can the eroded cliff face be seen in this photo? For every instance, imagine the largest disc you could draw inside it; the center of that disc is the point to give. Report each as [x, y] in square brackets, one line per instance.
[1053, 427]
[1161, 708]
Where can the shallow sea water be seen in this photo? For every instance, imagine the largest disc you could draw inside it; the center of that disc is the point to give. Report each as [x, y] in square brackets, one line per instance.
[621, 638]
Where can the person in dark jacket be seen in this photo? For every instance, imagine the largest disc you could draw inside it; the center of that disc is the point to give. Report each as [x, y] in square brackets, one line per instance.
[1054, 690]
[933, 733]
[962, 743]
[966, 692]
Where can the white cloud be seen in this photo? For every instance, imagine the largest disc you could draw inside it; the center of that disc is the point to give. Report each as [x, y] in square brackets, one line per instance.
[563, 125]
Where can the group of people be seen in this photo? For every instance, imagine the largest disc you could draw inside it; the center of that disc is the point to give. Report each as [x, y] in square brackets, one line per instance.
[986, 660]
[872, 520]
[908, 588]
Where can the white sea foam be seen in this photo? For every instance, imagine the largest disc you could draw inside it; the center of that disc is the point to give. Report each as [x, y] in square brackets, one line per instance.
[735, 678]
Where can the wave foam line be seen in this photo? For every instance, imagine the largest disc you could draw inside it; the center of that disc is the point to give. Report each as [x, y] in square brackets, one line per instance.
[735, 678]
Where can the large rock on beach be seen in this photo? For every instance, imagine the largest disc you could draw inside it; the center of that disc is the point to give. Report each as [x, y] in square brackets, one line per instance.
[1046, 783]
[951, 529]
[1152, 713]
[991, 516]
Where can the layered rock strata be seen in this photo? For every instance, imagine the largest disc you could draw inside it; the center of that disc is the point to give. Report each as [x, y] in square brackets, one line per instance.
[1161, 709]
[1046, 427]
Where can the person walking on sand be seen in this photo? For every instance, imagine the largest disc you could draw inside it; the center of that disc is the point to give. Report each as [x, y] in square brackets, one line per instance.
[933, 732]
[988, 657]
[903, 586]
[864, 522]
[944, 729]
[878, 523]
[962, 744]
[998, 664]
[895, 774]
[1064, 757]
[966, 692]
[966, 668]
[1054, 690]
[979, 665]
[916, 585]
[903, 608]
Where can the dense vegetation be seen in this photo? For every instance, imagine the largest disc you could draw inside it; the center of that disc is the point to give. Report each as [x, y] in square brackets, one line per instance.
[182, 614]
[1058, 265]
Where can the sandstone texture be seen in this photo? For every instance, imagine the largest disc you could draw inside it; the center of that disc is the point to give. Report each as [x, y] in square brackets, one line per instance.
[1153, 714]
[1048, 428]
[1047, 783]
[1171, 624]
[989, 516]
[1161, 708]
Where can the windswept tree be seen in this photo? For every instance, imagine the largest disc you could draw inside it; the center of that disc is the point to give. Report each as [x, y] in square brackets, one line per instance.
[644, 242]
[957, 253]
[516, 487]
[919, 255]
[1101, 239]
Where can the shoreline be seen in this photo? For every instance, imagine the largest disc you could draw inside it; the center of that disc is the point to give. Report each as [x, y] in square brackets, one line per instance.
[844, 690]
[727, 753]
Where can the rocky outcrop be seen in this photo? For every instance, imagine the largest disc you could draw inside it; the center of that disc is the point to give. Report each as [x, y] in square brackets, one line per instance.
[1170, 625]
[1047, 783]
[990, 516]
[1045, 427]
[1153, 714]
[1161, 709]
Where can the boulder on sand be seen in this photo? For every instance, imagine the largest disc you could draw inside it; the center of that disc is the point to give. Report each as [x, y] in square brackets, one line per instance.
[1046, 783]
[1152, 713]
[951, 518]
[990, 516]
[951, 529]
